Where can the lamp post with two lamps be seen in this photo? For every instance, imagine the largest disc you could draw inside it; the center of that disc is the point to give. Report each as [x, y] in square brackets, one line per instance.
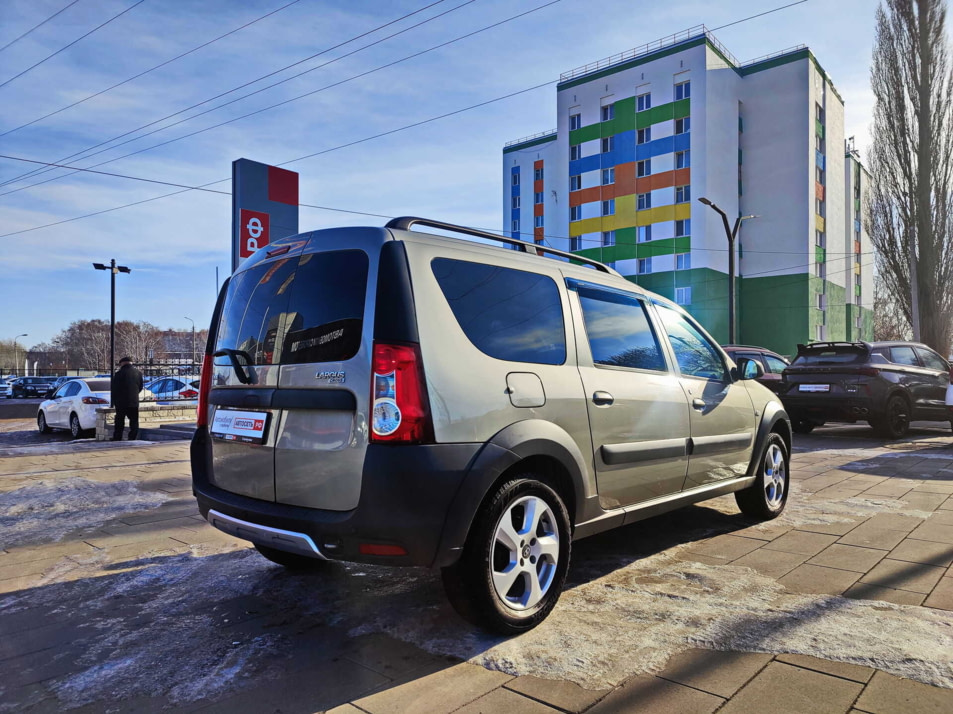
[731, 234]
[113, 270]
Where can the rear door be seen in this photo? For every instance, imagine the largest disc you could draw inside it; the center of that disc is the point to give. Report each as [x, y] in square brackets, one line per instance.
[938, 379]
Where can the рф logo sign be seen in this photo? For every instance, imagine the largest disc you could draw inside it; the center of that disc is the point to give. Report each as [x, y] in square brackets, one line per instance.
[255, 233]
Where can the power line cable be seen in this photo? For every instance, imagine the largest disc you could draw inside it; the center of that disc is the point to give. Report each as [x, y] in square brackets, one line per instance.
[151, 69]
[37, 27]
[393, 131]
[235, 89]
[287, 101]
[61, 49]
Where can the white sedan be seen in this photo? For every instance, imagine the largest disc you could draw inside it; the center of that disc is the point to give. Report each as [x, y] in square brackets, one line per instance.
[73, 406]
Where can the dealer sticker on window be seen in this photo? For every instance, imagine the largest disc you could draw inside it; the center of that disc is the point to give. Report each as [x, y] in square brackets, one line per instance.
[239, 426]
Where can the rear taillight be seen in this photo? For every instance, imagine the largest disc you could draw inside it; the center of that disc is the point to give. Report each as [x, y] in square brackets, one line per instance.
[188, 394]
[94, 400]
[205, 385]
[868, 371]
[400, 412]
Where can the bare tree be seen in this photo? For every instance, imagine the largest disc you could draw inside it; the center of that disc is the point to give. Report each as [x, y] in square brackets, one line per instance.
[889, 321]
[910, 214]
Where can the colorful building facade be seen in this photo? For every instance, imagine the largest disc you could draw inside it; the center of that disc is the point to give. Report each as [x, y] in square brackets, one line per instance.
[642, 135]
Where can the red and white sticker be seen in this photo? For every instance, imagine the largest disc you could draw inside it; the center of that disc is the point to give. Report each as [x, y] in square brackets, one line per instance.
[238, 426]
[253, 233]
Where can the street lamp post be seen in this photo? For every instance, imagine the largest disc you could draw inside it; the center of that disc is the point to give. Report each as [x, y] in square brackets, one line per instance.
[193, 344]
[731, 233]
[16, 358]
[113, 270]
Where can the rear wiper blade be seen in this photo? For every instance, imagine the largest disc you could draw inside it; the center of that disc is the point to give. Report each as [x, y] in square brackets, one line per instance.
[233, 355]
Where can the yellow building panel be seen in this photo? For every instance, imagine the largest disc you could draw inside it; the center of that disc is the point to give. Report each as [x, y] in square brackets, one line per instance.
[683, 211]
[625, 206]
[857, 268]
[655, 215]
[819, 223]
[590, 225]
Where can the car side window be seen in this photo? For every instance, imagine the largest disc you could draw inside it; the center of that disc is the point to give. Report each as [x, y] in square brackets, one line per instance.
[931, 360]
[903, 355]
[72, 389]
[619, 331]
[775, 365]
[61, 392]
[696, 355]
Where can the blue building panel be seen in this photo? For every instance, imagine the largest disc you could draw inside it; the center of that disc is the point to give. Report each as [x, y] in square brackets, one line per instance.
[658, 147]
[683, 142]
[819, 158]
[589, 163]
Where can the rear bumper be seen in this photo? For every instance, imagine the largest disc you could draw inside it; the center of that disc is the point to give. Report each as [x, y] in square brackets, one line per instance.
[828, 408]
[406, 492]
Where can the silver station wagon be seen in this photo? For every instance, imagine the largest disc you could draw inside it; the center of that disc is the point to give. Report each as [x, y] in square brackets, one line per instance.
[386, 395]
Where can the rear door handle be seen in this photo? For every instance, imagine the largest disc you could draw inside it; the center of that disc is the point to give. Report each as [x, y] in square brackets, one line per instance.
[602, 398]
[698, 404]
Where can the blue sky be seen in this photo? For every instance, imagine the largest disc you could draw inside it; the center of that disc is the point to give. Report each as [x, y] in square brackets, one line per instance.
[449, 169]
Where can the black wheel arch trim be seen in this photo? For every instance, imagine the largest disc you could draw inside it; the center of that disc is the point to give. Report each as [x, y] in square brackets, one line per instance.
[510, 446]
[773, 419]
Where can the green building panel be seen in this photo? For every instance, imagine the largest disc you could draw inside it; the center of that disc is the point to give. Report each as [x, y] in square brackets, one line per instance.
[709, 295]
[773, 311]
[836, 325]
[868, 318]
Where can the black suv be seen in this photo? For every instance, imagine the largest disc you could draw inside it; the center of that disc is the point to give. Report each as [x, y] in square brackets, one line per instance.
[31, 386]
[888, 384]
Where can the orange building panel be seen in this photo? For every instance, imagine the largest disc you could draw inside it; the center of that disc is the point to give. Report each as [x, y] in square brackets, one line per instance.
[538, 235]
[538, 186]
[586, 195]
[538, 164]
[537, 209]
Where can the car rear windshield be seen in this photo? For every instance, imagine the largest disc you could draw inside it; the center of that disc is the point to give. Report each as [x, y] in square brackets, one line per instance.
[98, 385]
[307, 309]
[847, 354]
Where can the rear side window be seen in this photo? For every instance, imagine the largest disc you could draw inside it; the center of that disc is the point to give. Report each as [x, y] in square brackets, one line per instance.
[903, 355]
[307, 309]
[619, 332]
[508, 314]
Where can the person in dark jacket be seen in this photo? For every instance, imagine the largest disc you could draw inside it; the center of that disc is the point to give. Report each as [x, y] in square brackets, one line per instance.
[124, 389]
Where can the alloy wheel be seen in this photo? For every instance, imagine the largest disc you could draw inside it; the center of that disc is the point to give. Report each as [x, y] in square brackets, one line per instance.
[774, 476]
[525, 553]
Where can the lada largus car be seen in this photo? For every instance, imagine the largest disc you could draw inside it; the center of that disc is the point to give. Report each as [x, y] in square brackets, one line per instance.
[384, 395]
[887, 384]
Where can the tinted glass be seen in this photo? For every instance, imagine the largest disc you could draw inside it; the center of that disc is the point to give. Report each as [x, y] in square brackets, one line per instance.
[903, 355]
[931, 360]
[96, 385]
[775, 365]
[72, 389]
[297, 310]
[695, 353]
[836, 355]
[507, 314]
[619, 331]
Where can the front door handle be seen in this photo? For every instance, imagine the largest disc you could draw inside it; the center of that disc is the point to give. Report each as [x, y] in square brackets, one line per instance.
[698, 404]
[602, 398]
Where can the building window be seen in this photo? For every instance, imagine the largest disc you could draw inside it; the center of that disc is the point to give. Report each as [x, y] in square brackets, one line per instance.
[683, 159]
[515, 227]
[516, 178]
[644, 201]
[820, 270]
[608, 112]
[516, 202]
[538, 174]
[819, 207]
[575, 213]
[645, 266]
[575, 182]
[608, 144]
[538, 197]
[538, 221]
[575, 121]
[683, 125]
[644, 136]
[644, 233]
[683, 194]
[820, 301]
[608, 207]
[608, 176]
[818, 142]
[819, 333]
[575, 243]
[683, 296]
[819, 113]
[683, 228]
[575, 151]
[608, 238]
[683, 261]
[643, 168]
[819, 174]
[643, 102]
[683, 90]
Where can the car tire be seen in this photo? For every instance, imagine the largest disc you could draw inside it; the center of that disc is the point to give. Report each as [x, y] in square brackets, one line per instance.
[802, 426]
[291, 561]
[895, 421]
[768, 495]
[75, 428]
[41, 424]
[515, 559]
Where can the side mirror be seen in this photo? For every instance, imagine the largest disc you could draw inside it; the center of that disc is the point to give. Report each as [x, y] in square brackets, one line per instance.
[749, 368]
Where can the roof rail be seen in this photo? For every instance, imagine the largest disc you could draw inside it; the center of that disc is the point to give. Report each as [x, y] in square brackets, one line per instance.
[405, 223]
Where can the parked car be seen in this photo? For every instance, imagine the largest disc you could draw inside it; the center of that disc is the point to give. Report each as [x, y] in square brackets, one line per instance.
[888, 384]
[452, 404]
[949, 396]
[6, 387]
[772, 363]
[30, 386]
[73, 406]
[178, 390]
